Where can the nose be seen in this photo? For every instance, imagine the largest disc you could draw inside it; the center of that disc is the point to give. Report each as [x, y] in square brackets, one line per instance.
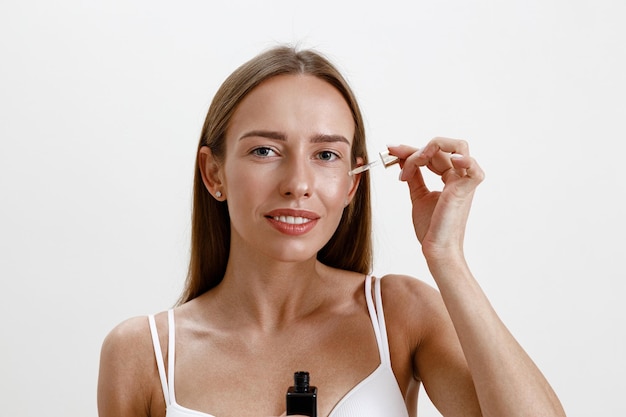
[297, 179]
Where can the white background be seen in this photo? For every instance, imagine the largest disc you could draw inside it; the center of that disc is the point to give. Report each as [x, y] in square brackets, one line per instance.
[101, 106]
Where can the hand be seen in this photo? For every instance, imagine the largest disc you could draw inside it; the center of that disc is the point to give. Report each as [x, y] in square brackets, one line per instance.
[439, 218]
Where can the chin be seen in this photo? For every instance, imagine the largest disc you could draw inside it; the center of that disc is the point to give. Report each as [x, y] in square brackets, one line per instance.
[293, 254]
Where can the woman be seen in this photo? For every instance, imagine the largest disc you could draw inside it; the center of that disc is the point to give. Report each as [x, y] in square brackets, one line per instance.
[278, 278]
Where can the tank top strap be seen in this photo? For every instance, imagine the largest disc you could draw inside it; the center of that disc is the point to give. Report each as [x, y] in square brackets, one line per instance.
[377, 317]
[171, 355]
[158, 353]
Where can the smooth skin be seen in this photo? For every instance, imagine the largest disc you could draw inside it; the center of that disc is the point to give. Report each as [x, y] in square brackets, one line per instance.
[279, 310]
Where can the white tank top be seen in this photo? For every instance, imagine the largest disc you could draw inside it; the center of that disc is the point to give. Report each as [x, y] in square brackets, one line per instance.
[378, 395]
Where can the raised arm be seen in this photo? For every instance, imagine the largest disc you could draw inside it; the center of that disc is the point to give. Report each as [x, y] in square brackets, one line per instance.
[506, 381]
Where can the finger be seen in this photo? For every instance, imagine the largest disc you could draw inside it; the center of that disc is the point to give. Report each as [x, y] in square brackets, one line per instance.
[436, 155]
[409, 161]
[439, 150]
[408, 167]
[409, 173]
[448, 145]
[466, 169]
[437, 161]
[402, 151]
[460, 164]
[417, 186]
[474, 171]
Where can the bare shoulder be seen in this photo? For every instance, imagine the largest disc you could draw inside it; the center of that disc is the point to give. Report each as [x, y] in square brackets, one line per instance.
[406, 296]
[416, 317]
[403, 283]
[127, 370]
[130, 339]
[131, 329]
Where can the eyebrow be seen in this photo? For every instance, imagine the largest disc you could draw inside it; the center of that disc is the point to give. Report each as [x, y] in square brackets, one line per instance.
[270, 134]
[320, 138]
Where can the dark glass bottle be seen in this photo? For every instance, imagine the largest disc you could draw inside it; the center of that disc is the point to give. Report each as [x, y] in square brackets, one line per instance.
[302, 397]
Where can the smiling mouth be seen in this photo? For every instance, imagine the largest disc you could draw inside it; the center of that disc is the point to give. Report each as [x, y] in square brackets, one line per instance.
[291, 219]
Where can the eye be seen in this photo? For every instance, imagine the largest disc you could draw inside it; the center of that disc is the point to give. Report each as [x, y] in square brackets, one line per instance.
[263, 152]
[327, 156]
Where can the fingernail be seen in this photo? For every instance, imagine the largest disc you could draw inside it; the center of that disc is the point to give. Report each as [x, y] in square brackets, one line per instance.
[400, 175]
[420, 151]
[456, 156]
[392, 145]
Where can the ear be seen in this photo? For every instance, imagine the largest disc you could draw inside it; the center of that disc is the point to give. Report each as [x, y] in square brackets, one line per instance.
[354, 184]
[211, 170]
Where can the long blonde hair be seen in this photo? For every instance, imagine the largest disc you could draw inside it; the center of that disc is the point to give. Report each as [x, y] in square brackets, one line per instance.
[350, 247]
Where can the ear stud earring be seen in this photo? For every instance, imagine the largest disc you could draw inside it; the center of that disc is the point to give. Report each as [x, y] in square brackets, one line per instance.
[218, 194]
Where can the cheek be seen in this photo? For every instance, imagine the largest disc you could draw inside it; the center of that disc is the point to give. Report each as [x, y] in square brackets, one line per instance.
[336, 188]
[243, 186]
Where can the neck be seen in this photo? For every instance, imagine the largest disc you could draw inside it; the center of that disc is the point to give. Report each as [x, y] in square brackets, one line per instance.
[270, 294]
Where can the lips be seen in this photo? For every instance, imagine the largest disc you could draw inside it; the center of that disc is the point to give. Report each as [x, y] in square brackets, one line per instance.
[292, 222]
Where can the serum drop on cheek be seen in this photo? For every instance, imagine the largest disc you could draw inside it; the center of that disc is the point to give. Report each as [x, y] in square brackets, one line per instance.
[302, 397]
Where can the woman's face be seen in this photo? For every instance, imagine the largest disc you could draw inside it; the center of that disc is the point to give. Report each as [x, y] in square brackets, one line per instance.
[285, 173]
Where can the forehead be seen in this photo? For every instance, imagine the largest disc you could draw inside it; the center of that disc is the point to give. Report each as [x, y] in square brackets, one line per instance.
[292, 103]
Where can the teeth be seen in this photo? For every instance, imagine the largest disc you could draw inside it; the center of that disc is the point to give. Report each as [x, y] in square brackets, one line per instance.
[291, 219]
